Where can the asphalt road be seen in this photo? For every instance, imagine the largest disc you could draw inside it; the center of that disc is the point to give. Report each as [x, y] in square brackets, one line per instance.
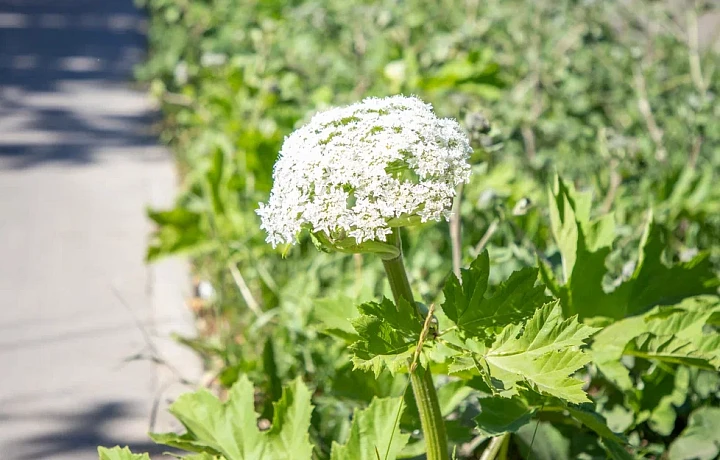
[79, 310]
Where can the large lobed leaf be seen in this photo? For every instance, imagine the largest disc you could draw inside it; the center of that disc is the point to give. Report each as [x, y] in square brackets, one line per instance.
[230, 428]
[678, 334]
[542, 354]
[228, 431]
[477, 315]
[387, 334]
[584, 246]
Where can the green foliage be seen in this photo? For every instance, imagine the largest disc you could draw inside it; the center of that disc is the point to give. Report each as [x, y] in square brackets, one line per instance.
[387, 335]
[539, 354]
[584, 245]
[229, 431]
[701, 439]
[514, 300]
[116, 453]
[374, 433]
[542, 354]
[499, 415]
[677, 334]
[614, 96]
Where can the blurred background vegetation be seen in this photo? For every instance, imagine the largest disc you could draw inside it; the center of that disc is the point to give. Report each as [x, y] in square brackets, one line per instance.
[619, 97]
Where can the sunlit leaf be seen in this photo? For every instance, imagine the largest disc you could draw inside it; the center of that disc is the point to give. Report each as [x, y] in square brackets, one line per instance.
[375, 430]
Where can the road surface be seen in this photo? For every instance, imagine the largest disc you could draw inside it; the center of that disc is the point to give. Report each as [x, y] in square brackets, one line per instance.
[79, 311]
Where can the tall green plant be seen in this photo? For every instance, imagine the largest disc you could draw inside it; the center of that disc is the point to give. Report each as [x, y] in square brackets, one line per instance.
[616, 96]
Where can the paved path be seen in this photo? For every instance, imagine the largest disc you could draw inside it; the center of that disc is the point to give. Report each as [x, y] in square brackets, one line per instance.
[78, 165]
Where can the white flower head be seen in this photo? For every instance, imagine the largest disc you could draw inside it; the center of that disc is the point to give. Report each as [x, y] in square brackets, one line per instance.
[356, 171]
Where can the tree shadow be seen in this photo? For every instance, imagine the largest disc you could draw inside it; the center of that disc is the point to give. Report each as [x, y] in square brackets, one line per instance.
[58, 60]
[78, 434]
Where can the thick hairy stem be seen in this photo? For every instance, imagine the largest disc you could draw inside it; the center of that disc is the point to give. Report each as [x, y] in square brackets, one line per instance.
[421, 379]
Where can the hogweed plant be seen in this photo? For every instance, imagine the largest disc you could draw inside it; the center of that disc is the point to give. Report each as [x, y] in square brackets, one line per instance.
[352, 178]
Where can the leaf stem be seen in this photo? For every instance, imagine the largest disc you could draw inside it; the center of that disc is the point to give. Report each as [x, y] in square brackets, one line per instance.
[422, 383]
[493, 449]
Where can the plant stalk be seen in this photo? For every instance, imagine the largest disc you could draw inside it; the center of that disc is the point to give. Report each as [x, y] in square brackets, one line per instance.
[421, 379]
[493, 450]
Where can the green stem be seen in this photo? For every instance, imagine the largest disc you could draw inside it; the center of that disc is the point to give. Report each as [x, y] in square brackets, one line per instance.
[422, 383]
[493, 450]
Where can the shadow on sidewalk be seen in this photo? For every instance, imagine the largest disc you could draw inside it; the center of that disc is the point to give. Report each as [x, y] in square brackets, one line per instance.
[77, 434]
[64, 65]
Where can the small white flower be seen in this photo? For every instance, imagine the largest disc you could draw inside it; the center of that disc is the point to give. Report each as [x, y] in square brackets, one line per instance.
[357, 171]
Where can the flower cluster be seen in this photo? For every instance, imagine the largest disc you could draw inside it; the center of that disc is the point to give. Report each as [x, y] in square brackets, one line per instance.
[356, 171]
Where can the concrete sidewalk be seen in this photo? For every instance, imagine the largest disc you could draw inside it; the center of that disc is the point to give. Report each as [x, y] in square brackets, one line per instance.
[78, 165]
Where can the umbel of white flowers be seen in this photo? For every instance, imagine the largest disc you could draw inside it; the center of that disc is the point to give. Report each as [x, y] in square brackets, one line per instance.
[352, 173]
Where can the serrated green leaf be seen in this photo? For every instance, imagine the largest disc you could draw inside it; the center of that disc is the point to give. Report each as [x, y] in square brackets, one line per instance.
[543, 354]
[401, 317]
[546, 331]
[381, 346]
[655, 283]
[583, 261]
[362, 386]
[502, 415]
[230, 428]
[288, 437]
[463, 366]
[671, 349]
[375, 430]
[677, 321]
[548, 373]
[514, 300]
[117, 453]
[387, 335]
[701, 439]
[709, 346]
[675, 334]
[564, 224]
[584, 246]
